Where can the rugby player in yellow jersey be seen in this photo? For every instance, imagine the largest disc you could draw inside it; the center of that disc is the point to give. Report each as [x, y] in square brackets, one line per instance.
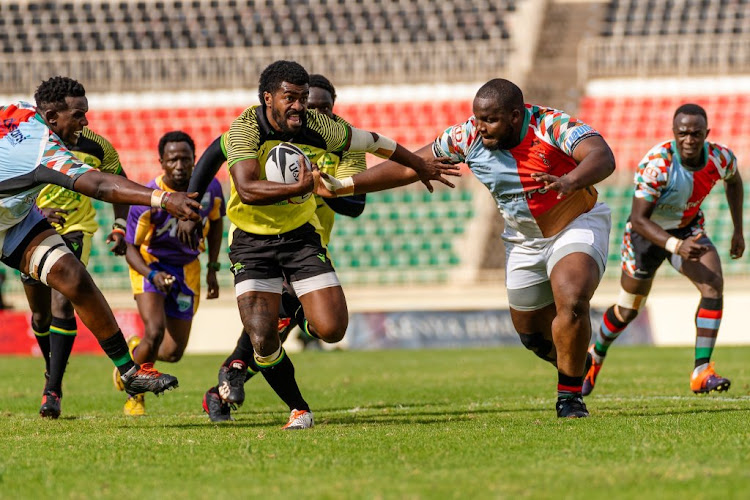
[73, 216]
[272, 240]
[240, 365]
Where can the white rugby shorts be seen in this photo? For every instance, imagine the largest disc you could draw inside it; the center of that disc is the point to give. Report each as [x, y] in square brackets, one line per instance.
[528, 264]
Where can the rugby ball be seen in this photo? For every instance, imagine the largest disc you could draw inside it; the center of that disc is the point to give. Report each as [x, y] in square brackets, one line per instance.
[283, 165]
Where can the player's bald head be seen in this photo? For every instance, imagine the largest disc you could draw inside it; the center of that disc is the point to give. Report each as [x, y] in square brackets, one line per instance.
[504, 93]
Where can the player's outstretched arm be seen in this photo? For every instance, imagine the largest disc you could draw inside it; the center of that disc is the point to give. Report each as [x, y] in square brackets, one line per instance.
[427, 168]
[595, 161]
[386, 175]
[206, 168]
[735, 198]
[189, 232]
[213, 238]
[116, 189]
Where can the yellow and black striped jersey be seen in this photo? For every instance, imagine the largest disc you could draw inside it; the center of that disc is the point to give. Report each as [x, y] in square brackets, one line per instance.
[95, 151]
[339, 165]
[251, 136]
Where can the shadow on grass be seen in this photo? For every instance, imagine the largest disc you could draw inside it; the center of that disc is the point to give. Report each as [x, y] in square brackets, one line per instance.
[400, 415]
[661, 412]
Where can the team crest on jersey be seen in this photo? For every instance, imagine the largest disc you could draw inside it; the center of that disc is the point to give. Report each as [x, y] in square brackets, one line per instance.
[650, 174]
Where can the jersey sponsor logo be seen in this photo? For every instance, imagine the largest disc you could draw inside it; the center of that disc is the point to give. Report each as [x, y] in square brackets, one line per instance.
[11, 131]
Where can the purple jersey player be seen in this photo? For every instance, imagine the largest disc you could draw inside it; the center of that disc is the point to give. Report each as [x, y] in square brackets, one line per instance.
[164, 273]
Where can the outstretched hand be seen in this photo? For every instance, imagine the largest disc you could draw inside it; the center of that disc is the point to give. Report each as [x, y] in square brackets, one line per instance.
[563, 185]
[433, 169]
[120, 247]
[183, 205]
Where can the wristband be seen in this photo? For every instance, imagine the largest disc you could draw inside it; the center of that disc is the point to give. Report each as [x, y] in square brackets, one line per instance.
[673, 245]
[339, 187]
[213, 266]
[151, 276]
[156, 198]
[164, 199]
[119, 223]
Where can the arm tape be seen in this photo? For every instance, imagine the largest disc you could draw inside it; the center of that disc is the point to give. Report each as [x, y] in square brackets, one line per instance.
[362, 140]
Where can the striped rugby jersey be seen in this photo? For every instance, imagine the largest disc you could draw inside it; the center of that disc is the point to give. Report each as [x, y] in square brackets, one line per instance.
[252, 136]
[676, 190]
[31, 156]
[548, 139]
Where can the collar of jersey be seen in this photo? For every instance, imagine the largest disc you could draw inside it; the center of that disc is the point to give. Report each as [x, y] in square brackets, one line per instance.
[162, 185]
[677, 154]
[525, 127]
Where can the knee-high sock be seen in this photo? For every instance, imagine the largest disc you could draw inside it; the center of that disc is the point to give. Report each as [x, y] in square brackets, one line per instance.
[62, 336]
[279, 373]
[42, 338]
[707, 321]
[610, 329]
[117, 350]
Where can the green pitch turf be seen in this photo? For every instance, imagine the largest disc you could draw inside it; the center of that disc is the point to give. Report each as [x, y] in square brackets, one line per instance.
[403, 424]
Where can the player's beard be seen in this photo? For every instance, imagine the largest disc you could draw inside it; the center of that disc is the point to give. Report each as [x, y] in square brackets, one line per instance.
[281, 120]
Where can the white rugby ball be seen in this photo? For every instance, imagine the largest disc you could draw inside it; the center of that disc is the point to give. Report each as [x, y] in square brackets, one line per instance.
[283, 165]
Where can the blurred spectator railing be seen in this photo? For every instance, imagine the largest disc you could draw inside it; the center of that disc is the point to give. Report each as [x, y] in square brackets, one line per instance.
[663, 56]
[227, 68]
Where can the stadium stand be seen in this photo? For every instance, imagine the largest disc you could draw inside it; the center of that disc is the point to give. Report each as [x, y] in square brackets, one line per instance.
[677, 17]
[55, 26]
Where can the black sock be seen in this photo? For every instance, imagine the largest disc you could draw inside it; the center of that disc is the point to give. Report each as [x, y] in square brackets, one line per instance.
[62, 336]
[117, 349]
[568, 387]
[280, 377]
[42, 338]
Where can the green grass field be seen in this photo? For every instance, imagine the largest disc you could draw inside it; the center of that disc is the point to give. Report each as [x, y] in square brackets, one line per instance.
[402, 424]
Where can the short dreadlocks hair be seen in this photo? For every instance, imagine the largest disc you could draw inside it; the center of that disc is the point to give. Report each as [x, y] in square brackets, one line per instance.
[324, 83]
[278, 72]
[52, 92]
[175, 136]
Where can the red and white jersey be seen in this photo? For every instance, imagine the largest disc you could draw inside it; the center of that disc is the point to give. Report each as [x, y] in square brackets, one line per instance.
[548, 139]
[678, 191]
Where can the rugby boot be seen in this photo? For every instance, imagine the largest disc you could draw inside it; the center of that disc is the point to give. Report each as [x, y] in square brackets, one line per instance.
[50, 405]
[707, 381]
[571, 407]
[592, 371]
[145, 378]
[232, 382]
[135, 406]
[218, 410]
[133, 342]
[299, 419]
